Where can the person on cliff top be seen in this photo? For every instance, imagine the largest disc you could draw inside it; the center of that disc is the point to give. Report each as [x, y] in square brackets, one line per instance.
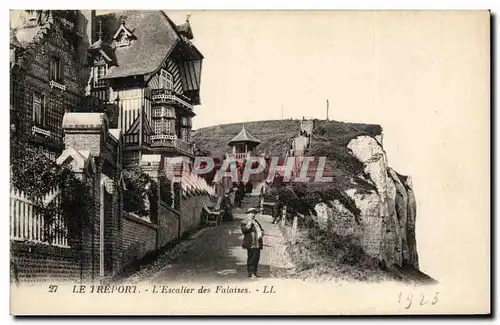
[252, 241]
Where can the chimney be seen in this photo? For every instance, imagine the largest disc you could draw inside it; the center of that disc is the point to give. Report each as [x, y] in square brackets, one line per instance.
[89, 25]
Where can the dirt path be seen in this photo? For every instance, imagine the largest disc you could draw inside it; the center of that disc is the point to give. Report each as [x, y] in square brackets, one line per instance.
[216, 255]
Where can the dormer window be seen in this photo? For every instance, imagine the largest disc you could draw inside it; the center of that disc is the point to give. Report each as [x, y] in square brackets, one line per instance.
[123, 36]
[123, 40]
[166, 80]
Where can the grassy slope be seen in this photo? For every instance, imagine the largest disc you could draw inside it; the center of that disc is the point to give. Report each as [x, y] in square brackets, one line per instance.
[275, 136]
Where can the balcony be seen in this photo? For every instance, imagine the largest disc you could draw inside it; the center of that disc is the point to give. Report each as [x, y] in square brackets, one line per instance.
[170, 141]
[170, 97]
[37, 130]
[183, 145]
[238, 156]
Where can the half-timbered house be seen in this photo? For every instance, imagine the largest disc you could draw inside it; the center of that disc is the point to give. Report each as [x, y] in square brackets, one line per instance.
[148, 67]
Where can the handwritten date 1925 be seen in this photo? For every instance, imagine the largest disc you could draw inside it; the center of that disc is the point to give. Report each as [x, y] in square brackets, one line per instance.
[410, 299]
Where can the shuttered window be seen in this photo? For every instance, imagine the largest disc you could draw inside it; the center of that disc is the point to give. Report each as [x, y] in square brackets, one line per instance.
[38, 109]
[166, 80]
[99, 73]
[55, 70]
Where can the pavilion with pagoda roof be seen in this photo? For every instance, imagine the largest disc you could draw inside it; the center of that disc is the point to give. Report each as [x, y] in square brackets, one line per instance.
[243, 145]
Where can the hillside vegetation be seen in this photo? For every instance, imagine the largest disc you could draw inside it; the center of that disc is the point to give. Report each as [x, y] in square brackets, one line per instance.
[330, 139]
[275, 136]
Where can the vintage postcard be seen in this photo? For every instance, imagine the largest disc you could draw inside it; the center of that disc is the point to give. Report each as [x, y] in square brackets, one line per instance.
[249, 162]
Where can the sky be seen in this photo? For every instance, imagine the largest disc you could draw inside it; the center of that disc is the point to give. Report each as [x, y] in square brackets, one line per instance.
[424, 77]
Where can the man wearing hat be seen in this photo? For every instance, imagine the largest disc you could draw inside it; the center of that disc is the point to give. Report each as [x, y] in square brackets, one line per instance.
[252, 241]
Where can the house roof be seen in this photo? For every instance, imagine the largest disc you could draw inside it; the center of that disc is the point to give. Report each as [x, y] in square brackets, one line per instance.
[104, 49]
[27, 35]
[244, 136]
[76, 120]
[186, 29]
[156, 38]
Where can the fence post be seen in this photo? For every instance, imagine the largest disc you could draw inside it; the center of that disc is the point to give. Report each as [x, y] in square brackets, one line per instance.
[283, 219]
[294, 230]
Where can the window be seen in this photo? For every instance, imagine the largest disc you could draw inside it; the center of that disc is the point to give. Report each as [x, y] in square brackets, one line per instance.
[123, 40]
[49, 154]
[55, 70]
[158, 126]
[38, 109]
[166, 80]
[169, 126]
[169, 112]
[185, 134]
[99, 73]
[185, 121]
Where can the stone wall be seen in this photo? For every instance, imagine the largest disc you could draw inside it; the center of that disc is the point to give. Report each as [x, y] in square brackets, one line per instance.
[191, 211]
[168, 225]
[138, 238]
[39, 262]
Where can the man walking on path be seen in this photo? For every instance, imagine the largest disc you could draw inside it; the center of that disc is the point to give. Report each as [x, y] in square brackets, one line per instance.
[252, 241]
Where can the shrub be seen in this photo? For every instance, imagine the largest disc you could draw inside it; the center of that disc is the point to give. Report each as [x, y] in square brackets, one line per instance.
[138, 187]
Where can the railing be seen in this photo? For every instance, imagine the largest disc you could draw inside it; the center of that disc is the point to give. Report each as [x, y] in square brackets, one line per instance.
[163, 137]
[183, 145]
[166, 95]
[36, 129]
[167, 140]
[26, 224]
[54, 83]
[238, 156]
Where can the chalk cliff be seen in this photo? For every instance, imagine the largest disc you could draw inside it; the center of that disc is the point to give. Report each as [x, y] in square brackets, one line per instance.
[382, 222]
[386, 228]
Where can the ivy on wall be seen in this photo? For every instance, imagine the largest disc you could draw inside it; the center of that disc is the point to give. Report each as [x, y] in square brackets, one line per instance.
[139, 190]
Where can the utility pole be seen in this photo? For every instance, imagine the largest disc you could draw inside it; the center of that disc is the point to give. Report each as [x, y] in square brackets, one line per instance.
[327, 108]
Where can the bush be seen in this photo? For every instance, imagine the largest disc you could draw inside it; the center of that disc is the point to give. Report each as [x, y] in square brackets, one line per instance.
[303, 197]
[36, 176]
[139, 186]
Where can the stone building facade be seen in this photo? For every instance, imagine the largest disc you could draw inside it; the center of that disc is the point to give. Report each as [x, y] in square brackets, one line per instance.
[61, 103]
[45, 85]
